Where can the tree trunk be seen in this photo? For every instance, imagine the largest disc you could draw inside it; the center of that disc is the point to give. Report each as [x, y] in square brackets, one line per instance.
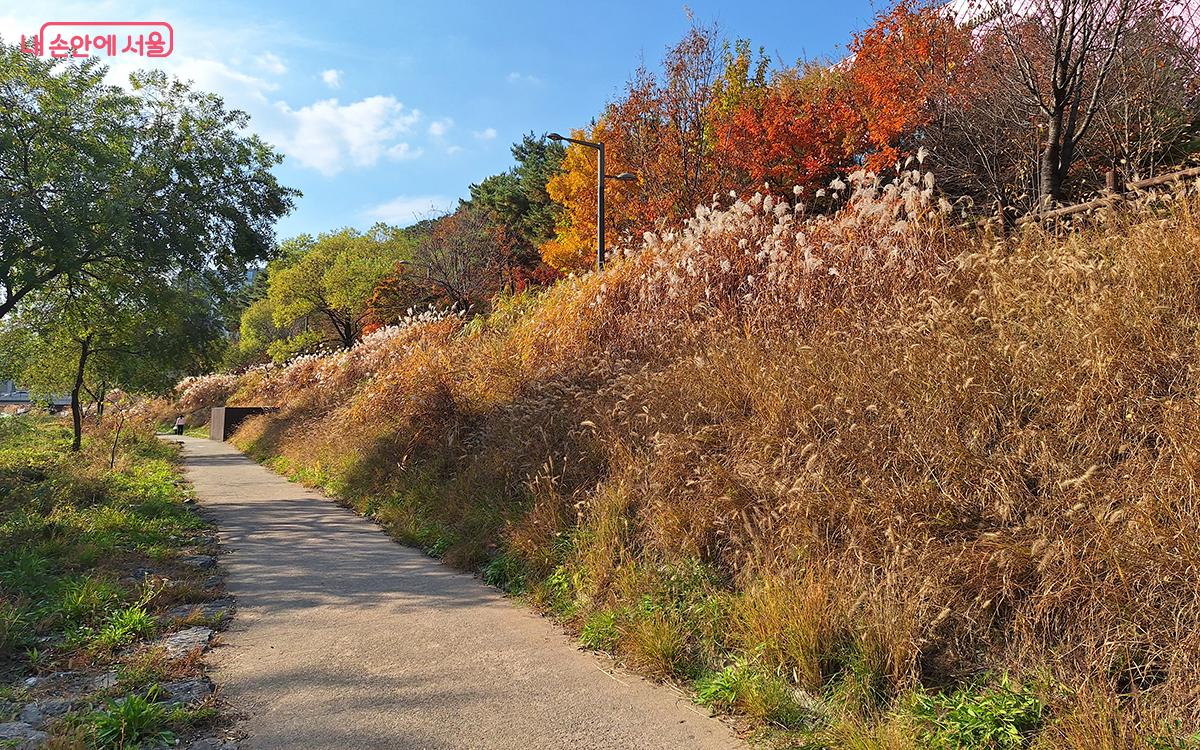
[1050, 187]
[85, 350]
[112, 456]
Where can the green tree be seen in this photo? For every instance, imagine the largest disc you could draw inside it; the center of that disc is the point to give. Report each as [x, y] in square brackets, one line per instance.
[327, 283]
[517, 199]
[134, 332]
[258, 330]
[161, 178]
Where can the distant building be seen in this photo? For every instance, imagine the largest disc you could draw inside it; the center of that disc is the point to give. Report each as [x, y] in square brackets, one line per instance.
[10, 394]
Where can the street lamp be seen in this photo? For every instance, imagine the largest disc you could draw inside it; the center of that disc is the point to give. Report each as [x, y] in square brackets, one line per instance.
[600, 178]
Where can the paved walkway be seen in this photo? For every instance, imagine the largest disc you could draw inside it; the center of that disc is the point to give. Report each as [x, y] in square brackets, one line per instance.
[344, 639]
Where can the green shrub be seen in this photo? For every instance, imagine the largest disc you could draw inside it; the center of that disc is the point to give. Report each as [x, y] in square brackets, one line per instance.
[1002, 716]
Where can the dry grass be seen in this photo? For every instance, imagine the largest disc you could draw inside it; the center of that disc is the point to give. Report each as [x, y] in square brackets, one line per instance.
[950, 456]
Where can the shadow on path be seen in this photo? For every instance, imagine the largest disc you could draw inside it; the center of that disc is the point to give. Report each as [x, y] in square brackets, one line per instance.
[345, 639]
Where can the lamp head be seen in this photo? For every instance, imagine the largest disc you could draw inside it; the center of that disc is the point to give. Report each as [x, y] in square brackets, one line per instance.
[626, 177]
[554, 136]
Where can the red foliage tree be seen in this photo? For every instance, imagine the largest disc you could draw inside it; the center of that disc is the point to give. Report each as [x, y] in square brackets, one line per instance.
[796, 132]
[906, 63]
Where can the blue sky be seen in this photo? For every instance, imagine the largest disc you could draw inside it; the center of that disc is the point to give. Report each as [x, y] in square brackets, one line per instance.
[388, 111]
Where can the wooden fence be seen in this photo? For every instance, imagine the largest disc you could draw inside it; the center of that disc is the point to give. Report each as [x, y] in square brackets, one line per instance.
[1114, 194]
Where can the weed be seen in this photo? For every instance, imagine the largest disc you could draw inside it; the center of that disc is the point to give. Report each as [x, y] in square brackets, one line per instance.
[145, 669]
[183, 718]
[557, 593]
[505, 572]
[1176, 739]
[125, 626]
[36, 658]
[13, 628]
[82, 600]
[1001, 716]
[24, 571]
[752, 690]
[600, 631]
[656, 642]
[130, 722]
[720, 690]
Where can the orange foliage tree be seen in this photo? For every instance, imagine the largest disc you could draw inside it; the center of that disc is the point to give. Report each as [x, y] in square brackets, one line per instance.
[660, 130]
[798, 131]
[714, 122]
[902, 67]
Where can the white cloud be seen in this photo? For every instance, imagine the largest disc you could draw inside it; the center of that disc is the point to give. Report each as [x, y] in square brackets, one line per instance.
[452, 150]
[531, 80]
[328, 136]
[238, 88]
[485, 135]
[205, 58]
[408, 209]
[402, 151]
[316, 131]
[271, 63]
[438, 128]
[332, 78]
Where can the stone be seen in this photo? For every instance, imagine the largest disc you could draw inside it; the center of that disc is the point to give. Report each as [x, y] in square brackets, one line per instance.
[203, 562]
[218, 610]
[212, 743]
[187, 692]
[213, 582]
[105, 681]
[20, 736]
[186, 641]
[38, 713]
[31, 715]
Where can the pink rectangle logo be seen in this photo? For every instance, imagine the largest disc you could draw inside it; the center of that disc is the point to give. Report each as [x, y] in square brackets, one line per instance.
[84, 39]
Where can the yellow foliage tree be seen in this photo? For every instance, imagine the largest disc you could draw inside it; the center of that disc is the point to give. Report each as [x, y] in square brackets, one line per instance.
[573, 247]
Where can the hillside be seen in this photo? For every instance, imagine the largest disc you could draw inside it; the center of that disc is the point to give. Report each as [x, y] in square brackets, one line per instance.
[870, 478]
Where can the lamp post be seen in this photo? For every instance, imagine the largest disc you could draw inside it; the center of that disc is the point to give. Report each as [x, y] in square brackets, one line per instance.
[600, 178]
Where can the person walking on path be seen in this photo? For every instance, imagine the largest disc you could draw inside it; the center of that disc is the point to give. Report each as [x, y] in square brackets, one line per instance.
[180, 423]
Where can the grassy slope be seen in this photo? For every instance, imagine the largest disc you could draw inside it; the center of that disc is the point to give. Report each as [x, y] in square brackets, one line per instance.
[949, 507]
[72, 532]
